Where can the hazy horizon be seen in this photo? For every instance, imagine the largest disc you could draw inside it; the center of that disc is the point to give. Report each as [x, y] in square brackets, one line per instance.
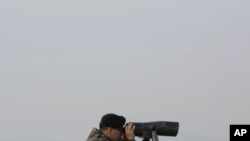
[66, 63]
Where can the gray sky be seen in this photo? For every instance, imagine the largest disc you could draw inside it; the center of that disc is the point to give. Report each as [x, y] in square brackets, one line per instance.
[63, 64]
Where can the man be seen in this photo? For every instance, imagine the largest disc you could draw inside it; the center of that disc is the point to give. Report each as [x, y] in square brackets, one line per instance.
[112, 128]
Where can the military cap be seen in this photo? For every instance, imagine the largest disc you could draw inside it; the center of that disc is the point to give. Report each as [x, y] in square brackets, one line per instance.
[112, 120]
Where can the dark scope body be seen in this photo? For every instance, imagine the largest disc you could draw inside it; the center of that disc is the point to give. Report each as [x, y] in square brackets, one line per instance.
[162, 128]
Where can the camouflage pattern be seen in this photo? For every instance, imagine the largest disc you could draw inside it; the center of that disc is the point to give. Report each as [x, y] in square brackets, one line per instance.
[97, 135]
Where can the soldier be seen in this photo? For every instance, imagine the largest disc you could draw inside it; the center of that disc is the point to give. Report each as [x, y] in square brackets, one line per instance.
[112, 128]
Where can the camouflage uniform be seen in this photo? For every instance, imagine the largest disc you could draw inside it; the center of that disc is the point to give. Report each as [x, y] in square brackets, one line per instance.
[97, 135]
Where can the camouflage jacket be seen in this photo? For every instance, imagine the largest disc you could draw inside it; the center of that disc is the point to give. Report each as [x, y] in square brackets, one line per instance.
[97, 135]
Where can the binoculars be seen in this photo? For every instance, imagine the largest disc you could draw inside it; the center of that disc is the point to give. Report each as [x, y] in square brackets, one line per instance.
[162, 128]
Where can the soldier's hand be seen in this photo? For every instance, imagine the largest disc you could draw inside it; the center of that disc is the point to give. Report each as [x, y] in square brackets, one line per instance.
[129, 132]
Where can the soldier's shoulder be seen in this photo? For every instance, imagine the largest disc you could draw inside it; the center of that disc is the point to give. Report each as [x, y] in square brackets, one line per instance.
[96, 135]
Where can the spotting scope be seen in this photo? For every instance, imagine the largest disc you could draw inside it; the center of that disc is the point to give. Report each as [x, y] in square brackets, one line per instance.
[162, 128]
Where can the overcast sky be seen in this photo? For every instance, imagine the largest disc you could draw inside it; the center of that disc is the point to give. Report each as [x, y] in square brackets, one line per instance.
[63, 64]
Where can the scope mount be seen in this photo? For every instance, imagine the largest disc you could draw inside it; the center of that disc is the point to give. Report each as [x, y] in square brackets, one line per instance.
[151, 132]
